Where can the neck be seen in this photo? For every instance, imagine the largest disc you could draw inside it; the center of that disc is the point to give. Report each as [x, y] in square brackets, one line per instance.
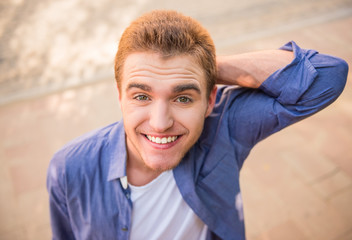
[140, 175]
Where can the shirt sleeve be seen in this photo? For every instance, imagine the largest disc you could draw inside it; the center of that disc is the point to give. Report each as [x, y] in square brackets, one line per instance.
[59, 216]
[308, 84]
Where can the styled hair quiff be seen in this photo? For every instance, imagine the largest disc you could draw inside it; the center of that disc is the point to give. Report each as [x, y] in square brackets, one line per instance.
[169, 34]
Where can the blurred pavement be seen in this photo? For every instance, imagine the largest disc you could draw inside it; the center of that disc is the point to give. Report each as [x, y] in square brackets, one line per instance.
[56, 83]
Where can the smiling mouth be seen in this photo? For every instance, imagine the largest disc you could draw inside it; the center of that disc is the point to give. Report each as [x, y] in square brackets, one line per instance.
[161, 140]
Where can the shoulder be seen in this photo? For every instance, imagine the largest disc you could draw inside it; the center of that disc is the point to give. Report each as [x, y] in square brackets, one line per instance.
[86, 143]
[228, 100]
[234, 106]
[80, 150]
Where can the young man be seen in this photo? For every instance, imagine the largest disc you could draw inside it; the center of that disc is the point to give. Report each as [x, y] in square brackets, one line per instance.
[170, 168]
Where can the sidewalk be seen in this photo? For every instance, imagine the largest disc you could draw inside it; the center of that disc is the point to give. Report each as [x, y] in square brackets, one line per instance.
[296, 184]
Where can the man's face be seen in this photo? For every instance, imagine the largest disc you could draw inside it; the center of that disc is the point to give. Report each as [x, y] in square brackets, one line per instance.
[164, 104]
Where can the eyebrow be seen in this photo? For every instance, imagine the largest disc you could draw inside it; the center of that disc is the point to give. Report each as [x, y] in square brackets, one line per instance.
[143, 87]
[184, 87]
[177, 89]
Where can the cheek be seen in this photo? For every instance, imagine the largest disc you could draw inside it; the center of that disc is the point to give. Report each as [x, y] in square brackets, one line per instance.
[192, 118]
[193, 115]
[133, 115]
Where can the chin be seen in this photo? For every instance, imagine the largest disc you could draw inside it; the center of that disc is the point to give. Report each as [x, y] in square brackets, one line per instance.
[162, 165]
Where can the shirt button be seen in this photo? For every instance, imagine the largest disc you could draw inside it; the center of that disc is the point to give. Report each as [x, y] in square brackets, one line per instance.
[124, 229]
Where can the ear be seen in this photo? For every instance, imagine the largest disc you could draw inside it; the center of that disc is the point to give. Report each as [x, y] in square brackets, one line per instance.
[120, 97]
[211, 101]
[119, 92]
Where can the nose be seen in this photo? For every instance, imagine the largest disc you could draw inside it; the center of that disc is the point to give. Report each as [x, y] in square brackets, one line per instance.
[160, 117]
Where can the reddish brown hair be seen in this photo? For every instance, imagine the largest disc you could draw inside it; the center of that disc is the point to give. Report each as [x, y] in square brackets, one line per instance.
[169, 34]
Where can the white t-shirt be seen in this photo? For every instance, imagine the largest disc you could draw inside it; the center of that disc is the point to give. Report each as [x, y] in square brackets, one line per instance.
[159, 212]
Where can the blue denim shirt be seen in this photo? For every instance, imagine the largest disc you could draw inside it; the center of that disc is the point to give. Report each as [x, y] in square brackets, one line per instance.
[88, 201]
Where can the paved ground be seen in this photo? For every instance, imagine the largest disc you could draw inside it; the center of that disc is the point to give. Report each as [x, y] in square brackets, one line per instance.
[296, 184]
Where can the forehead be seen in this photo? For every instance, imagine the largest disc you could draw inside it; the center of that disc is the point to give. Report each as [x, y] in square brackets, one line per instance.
[145, 66]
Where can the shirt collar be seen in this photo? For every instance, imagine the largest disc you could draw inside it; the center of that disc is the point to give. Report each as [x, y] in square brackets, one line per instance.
[117, 152]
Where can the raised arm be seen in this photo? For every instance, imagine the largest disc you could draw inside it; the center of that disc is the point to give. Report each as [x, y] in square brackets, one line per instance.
[293, 83]
[251, 69]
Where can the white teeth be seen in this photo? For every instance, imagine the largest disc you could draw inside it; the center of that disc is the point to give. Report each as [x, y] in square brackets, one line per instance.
[163, 140]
